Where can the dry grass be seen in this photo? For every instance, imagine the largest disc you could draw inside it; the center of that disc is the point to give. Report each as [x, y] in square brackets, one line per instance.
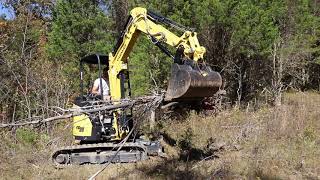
[269, 143]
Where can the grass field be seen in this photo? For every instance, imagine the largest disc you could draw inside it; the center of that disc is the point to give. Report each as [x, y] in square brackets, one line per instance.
[268, 143]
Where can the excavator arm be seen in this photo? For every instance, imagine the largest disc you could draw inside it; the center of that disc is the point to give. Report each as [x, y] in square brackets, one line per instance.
[142, 21]
[190, 78]
[148, 23]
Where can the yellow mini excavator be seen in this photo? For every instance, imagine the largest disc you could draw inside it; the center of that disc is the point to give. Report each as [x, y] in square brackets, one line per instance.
[100, 133]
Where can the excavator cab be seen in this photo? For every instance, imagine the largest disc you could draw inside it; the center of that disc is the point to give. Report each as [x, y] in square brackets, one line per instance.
[87, 126]
[99, 60]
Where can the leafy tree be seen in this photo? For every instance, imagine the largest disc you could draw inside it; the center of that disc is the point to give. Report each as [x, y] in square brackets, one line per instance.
[79, 28]
[29, 83]
[300, 35]
[261, 47]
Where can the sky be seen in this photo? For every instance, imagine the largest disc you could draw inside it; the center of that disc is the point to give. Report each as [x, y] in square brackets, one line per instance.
[7, 11]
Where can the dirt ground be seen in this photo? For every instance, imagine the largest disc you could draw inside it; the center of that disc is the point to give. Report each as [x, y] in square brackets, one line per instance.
[252, 143]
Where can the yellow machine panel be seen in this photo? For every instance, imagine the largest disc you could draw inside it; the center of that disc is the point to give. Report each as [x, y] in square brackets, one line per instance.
[81, 126]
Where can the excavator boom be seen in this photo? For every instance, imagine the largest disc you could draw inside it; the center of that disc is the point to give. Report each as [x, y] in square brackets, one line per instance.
[190, 77]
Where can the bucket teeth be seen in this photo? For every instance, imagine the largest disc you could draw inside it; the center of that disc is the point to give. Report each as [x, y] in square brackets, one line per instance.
[187, 83]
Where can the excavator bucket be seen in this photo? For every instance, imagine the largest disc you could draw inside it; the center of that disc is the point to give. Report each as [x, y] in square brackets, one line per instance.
[187, 83]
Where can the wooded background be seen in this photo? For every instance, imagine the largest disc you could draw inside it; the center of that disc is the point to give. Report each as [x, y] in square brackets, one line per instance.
[261, 48]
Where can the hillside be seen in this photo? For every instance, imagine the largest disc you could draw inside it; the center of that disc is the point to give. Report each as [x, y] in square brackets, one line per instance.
[268, 143]
[262, 56]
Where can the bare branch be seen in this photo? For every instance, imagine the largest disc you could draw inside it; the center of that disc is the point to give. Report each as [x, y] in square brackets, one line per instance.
[152, 102]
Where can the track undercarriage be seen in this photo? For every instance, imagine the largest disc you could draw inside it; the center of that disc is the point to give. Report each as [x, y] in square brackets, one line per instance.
[101, 153]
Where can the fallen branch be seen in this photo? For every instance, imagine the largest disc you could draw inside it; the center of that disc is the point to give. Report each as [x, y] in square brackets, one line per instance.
[74, 112]
[68, 113]
[37, 121]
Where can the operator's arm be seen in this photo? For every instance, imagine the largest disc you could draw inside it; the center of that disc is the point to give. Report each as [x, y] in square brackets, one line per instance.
[107, 89]
[95, 87]
[95, 90]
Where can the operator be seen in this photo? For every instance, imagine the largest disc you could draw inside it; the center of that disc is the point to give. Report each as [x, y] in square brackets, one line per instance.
[96, 89]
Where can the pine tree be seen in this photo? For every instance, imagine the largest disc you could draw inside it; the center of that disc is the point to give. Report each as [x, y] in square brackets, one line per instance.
[79, 28]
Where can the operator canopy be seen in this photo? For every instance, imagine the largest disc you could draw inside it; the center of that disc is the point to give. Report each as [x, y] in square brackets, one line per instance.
[93, 59]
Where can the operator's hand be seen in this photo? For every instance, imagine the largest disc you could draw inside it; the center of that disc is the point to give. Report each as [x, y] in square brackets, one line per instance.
[107, 98]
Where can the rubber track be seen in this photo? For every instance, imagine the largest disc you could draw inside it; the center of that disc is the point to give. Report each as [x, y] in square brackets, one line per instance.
[113, 146]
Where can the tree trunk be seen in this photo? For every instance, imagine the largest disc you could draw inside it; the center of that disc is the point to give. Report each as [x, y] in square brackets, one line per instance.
[120, 8]
[277, 75]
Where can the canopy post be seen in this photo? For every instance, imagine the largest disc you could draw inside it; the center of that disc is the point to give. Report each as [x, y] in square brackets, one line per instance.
[81, 79]
[100, 78]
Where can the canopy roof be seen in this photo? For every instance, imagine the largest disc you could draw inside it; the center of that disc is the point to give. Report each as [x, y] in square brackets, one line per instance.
[93, 59]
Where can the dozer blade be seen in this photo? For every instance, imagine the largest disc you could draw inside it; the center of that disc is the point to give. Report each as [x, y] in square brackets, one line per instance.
[188, 84]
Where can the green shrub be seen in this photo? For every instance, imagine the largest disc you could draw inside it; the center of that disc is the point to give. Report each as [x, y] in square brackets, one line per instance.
[185, 142]
[27, 136]
[309, 133]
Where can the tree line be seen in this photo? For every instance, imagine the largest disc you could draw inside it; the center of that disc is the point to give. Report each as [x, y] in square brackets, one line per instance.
[262, 48]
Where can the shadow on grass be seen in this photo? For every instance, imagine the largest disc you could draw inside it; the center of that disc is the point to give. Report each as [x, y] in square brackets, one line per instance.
[179, 167]
[171, 169]
[165, 169]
